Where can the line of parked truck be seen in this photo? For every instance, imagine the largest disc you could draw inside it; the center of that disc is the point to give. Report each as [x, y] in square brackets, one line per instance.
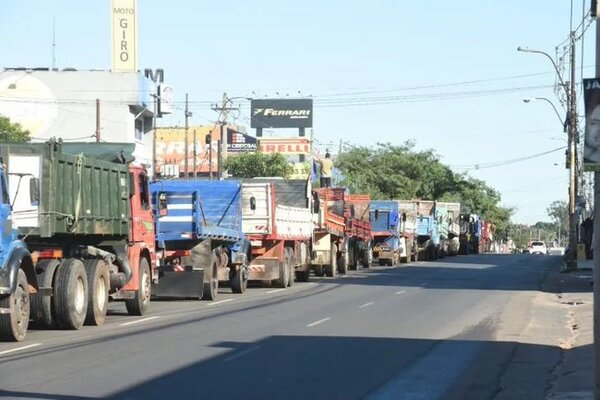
[80, 224]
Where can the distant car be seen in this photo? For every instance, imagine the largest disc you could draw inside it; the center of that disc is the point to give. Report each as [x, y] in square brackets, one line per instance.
[538, 247]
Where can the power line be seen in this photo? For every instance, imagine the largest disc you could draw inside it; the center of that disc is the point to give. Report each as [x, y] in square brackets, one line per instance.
[506, 162]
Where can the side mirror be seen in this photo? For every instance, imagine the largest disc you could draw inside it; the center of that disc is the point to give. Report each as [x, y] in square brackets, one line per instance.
[34, 191]
[162, 204]
[253, 203]
[376, 215]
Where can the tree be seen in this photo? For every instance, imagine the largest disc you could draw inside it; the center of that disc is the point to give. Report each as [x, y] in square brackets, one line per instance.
[558, 211]
[251, 165]
[12, 132]
[399, 172]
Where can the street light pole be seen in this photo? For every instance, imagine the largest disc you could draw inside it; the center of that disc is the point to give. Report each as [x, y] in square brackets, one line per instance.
[532, 99]
[571, 120]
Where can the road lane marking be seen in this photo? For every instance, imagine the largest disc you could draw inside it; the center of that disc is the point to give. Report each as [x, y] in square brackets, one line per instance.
[241, 353]
[20, 348]
[318, 322]
[344, 276]
[400, 292]
[273, 291]
[367, 304]
[219, 302]
[139, 321]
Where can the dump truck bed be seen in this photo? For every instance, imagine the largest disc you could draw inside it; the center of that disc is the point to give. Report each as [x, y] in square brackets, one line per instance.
[78, 195]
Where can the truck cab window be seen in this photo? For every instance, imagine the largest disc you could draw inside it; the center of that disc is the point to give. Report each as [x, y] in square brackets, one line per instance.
[144, 198]
[5, 198]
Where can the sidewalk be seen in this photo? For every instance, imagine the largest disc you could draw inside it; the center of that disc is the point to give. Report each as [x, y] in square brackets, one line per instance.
[573, 376]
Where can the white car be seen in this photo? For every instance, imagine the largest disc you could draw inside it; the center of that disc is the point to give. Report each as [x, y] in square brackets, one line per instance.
[537, 247]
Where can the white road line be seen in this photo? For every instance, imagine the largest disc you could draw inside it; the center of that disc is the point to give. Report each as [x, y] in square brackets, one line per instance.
[344, 276]
[219, 302]
[318, 322]
[20, 348]
[241, 353]
[275, 291]
[367, 304]
[139, 321]
[400, 292]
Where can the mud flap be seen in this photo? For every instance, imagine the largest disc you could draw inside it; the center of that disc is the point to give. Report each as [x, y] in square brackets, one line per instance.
[188, 284]
[180, 285]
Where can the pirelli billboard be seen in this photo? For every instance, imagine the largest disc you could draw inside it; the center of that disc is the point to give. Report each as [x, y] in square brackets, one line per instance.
[282, 113]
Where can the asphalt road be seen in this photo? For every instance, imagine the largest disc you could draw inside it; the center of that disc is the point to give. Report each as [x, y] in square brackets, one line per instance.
[422, 331]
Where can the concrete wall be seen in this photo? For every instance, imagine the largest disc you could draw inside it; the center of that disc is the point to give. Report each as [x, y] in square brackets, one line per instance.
[62, 104]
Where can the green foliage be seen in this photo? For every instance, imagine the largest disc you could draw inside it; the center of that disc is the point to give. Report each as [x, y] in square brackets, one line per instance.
[12, 132]
[400, 172]
[251, 165]
[558, 211]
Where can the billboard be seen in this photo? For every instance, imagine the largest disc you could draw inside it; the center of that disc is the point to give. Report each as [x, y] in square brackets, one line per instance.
[240, 143]
[281, 113]
[288, 146]
[124, 35]
[591, 148]
[170, 150]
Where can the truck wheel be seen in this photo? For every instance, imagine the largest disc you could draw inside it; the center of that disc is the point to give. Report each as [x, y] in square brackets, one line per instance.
[319, 270]
[291, 266]
[98, 286]
[331, 269]
[42, 311]
[13, 326]
[302, 276]
[239, 282]
[141, 300]
[343, 261]
[70, 294]
[211, 279]
[353, 259]
[284, 270]
[367, 256]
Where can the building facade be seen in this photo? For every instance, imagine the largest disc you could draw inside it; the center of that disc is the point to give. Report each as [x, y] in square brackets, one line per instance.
[83, 106]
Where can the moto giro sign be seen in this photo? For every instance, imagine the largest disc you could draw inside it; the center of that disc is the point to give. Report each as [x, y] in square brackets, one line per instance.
[282, 113]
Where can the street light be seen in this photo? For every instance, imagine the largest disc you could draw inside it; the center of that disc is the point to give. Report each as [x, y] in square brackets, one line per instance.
[571, 123]
[532, 99]
[562, 83]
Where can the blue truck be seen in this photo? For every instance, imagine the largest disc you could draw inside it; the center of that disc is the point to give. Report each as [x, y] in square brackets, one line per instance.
[386, 227]
[428, 237]
[199, 238]
[17, 277]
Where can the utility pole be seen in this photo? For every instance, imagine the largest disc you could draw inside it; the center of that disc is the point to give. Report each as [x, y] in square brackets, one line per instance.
[223, 111]
[596, 252]
[186, 150]
[195, 156]
[572, 259]
[97, 120]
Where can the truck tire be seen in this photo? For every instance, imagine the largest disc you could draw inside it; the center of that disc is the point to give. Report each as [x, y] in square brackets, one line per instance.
[141, 300]
[367, 258]
[239, 282]
[70, 294]
[13, 326]
[284, 271]
[98, 286]
[354, 256]
[302, 276]
[343, 261]
[42, 309]
[331, 269]
[319, 270]
[291, 266]
[211, 279]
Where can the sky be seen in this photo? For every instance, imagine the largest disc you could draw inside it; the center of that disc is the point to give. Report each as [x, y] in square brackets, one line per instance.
[446, 75]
